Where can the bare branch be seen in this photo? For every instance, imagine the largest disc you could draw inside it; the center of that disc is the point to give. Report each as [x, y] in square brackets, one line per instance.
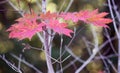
[26, 63]
[11, 65]
[69, 5]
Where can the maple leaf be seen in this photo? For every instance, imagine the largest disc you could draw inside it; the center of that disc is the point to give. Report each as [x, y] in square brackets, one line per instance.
[98, 18]
[58, 27]
[25, 28]
[92, 17]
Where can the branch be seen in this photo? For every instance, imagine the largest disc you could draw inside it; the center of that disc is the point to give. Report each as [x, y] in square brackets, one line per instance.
[73, 55]
[69, 5]
[95, 51]
[15, 68]
[116, 30]
[26, 63]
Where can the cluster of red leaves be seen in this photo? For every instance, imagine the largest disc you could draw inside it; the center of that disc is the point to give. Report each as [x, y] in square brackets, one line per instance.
[29, 25]
[25, 27]
[90, 17]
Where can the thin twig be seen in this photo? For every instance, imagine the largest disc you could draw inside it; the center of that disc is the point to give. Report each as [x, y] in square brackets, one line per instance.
[38, 4]
[112, 65]
[19, 61]
[40, 37]
[73, 55]
[62, 5]
[68, 65]
[107, 68]
[69, 5]
[87, 46]
[106, 57]
[26, 63]
[61, 45]
[111, 45]
[15, 68]
[16, 9]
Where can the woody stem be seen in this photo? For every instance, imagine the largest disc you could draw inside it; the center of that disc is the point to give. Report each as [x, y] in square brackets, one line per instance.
[46, 44]
[47, 54]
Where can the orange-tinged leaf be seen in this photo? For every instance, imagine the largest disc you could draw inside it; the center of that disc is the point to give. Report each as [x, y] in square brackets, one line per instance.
[91, 17]
[98, 19]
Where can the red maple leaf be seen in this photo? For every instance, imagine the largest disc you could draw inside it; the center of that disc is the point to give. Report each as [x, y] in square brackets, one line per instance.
[25, 28]
[22, 31]
[98, 18]
[92, 17]
[60, 28]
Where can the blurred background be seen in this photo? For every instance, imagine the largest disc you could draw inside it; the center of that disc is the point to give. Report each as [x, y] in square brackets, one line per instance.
[12, 49]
